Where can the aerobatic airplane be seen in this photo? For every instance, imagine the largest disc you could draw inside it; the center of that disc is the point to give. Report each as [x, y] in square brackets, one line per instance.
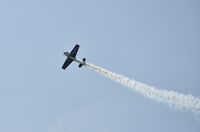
[72, 57]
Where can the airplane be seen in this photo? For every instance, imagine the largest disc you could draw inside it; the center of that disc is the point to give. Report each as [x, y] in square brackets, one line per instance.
[72, 57]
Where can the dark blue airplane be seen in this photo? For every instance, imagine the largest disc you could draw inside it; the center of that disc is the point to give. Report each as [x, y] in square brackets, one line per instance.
[72, 57]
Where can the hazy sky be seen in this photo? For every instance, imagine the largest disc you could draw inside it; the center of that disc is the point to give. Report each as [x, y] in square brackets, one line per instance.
[156, 42]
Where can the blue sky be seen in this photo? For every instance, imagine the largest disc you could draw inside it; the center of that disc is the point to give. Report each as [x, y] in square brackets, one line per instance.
[155, 42]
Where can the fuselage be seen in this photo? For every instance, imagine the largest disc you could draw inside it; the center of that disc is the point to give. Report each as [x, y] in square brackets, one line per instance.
[74, 59]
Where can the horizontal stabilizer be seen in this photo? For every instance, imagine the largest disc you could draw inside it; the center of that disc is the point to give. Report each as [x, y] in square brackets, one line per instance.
[80, 65]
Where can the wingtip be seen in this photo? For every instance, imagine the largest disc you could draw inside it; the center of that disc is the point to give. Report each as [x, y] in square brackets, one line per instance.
[78, 45]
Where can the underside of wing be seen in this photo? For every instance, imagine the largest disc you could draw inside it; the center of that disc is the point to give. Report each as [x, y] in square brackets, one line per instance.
[74, 51]
[68, 61]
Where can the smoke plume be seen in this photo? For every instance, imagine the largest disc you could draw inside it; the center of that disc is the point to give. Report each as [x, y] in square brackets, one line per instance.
[171, 98]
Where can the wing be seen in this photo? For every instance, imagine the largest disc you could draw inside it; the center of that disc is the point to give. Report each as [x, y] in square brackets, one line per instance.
[68, 61]
[74, 51]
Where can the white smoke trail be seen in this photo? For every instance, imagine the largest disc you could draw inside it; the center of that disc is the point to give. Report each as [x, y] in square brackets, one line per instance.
[171, 98]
